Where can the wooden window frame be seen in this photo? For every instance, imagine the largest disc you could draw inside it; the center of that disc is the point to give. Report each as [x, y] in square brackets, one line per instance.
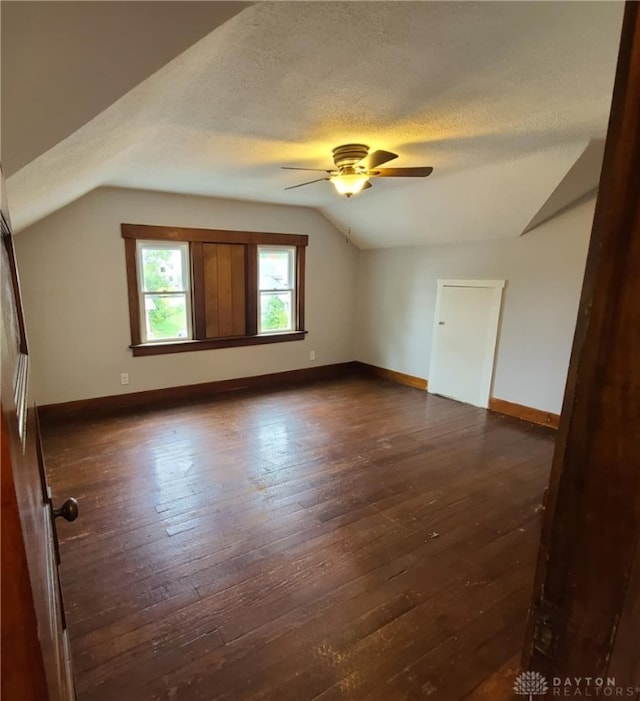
[131, 233]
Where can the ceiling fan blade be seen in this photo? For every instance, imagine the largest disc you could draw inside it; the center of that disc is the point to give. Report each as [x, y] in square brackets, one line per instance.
[366, 186]
[292, 187]
[319, 170]
[404, 172]
[377, 158]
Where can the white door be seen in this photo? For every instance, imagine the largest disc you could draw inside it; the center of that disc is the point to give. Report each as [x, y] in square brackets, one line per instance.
[464, 339]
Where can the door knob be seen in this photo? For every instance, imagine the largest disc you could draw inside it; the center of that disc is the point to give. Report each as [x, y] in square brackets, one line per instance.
[68, 510]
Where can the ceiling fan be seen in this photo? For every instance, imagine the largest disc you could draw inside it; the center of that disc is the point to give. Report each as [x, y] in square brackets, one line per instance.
[355, 166]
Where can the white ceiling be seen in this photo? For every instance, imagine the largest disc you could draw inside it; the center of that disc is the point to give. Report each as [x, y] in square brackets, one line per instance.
[501, 98]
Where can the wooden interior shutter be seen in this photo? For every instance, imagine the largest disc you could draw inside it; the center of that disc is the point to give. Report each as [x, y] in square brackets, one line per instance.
[224, 289]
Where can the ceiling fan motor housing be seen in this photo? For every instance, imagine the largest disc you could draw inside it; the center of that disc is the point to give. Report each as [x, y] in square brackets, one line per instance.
[349, 154]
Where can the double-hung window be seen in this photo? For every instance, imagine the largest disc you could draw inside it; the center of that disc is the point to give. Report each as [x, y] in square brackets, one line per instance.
[165, 291]
[276, 288]
[195, 289]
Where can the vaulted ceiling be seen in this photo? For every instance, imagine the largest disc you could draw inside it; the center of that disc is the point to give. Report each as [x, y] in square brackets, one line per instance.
[508, 101]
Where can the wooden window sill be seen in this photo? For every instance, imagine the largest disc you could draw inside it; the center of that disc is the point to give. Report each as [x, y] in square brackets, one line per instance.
[211, 343]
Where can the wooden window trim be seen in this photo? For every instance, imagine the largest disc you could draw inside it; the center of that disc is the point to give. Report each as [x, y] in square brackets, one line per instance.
[134, 292]
[196, 238]
[168, 233]
[197, 289]
[252, 290]
[300, 268]
[211, 343]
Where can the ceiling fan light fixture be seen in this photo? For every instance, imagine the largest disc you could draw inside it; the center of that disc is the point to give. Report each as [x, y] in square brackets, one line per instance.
[355, 166]
[349, 183]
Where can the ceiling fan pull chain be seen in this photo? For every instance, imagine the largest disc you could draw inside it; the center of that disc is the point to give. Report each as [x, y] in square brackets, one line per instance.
[346, 240]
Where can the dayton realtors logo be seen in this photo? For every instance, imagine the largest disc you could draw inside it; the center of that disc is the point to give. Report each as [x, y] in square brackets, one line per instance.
[534, 685]
[530, 684]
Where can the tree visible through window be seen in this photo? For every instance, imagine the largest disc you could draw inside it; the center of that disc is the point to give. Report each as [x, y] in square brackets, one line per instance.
[164, 284]
[276, 287]
[275, 315]
[198, 289]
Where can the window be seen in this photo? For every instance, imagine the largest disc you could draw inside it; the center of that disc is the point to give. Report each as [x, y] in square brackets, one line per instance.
[165, 295]
[276, 288]
[192, 289]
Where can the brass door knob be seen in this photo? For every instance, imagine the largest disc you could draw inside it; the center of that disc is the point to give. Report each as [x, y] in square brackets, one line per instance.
[68, 510]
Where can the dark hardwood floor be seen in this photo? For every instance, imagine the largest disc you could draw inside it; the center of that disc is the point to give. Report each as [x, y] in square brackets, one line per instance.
[354, 539]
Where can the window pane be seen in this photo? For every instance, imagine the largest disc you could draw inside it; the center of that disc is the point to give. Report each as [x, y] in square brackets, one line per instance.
[165, 317]
[275, 269]
[275, 311]
[162, 269]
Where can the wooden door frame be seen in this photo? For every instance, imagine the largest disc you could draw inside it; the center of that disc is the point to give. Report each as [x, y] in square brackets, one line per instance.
[22, 673]
[585, 610]
[492, 341]
[22, 668]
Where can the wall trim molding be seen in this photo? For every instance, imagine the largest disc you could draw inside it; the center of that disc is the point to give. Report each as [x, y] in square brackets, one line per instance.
[499, 406]
[399, 377]
[165, 396]
[527, 413]
[120, 403]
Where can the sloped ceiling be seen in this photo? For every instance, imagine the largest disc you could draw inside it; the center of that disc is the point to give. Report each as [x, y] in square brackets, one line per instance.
[64, 62]
[501, 98]
[580, 182]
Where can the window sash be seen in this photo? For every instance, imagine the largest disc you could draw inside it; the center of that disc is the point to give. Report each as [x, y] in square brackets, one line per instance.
[166, 246]
[167, 339]
[184, 292]
[286, 291]
[290, 293]
[291, 264]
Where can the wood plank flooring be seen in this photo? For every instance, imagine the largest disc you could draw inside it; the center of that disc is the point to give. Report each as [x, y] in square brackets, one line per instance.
[352, 540]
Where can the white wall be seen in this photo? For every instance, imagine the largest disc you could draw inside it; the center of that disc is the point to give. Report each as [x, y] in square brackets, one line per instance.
[543, 269]
[75, 297]
[74, 287]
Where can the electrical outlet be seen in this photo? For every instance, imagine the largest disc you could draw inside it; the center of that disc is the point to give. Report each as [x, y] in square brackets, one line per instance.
[124, 378]
[312, 355]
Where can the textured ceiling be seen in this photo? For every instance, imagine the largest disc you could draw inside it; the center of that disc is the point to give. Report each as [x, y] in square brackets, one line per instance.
[64, 62]
[501, 98]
